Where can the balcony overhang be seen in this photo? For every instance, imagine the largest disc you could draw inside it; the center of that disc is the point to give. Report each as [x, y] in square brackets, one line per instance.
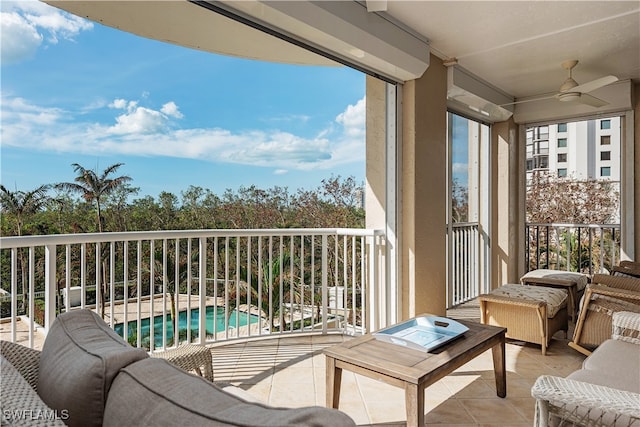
[186, 24]
[341, 31]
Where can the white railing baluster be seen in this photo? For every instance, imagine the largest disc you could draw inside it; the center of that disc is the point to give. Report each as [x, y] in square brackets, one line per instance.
[139, 293]
[112, 282]
[189, 285]
[125, 283]
[99, 293]
[215, 288]
[67, 276]
[152, 293]
[259, 284]
[325, 282]
[14, 293]
[202, 297]
[50, 286]
[83, 275]
[32, 280]
[164, 295]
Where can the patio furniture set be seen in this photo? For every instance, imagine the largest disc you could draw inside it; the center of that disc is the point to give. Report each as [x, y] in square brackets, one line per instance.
[86, 374]
[606, 312]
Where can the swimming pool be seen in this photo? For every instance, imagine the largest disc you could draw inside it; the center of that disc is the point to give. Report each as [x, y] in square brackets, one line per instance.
[215, 317]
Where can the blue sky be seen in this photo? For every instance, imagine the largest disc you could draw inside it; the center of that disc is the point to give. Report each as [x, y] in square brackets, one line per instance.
[74, 91]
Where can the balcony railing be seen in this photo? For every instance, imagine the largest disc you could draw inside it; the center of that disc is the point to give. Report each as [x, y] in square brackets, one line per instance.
[160, 288]
[468, 264]
[590, 249]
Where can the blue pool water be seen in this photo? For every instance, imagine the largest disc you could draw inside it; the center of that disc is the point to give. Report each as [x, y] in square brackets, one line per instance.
[215, 318]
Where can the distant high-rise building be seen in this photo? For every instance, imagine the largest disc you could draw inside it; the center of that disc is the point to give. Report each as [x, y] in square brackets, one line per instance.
[578, 150]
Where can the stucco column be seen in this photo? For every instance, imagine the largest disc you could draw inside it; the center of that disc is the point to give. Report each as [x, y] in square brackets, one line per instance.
[507, 204]
[423, 200]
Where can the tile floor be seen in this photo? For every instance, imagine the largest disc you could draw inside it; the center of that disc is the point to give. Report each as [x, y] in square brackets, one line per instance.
[290, 372]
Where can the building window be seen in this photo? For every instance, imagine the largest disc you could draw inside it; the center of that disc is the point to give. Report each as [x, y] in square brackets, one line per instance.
[605, 124]
[605, 140]
[562, 142]
[605, 155]
[605, 171]
[562, 157]
[562, 127]
[529, 164]
[543, 162]
[562, 172]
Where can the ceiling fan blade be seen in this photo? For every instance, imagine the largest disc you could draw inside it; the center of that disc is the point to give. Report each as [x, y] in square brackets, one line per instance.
[594, 84]
[592, 101]
[532, 99]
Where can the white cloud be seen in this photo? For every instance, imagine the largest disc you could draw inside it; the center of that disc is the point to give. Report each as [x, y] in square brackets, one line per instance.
[28, 24]
[280, 172]
[20, 39]
[353, 119]
[458, 168]
[171, 109]
[144, 131]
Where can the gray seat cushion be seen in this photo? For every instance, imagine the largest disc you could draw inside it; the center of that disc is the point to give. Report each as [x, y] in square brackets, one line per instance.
[614, 364]
[80, 358]
[172, 397]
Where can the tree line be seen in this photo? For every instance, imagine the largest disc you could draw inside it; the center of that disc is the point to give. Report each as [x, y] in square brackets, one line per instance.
[102, 201]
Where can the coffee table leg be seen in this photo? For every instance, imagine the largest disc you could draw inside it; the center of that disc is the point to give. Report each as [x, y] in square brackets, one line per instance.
[499, 367]
[334, 378]
[414, 402]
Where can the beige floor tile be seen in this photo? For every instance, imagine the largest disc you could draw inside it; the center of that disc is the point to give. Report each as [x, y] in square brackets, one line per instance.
[386, 411]
[356, 410]
[291, 395]
[470, 386]
[525, 406]
[492, 410]
[449, 412]
[294, 375]
[519, 387]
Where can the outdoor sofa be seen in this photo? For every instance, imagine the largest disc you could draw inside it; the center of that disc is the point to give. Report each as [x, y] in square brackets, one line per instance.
[605, 392]
[87, 375]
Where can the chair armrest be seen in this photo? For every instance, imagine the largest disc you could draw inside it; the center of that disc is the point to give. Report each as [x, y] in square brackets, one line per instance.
[26, 361]
[625, 272]
[626, 326]
[620, 282]
[613, 292]
[576, 401]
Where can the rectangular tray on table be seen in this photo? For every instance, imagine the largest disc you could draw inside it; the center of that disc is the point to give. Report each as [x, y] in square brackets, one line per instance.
[423, 333]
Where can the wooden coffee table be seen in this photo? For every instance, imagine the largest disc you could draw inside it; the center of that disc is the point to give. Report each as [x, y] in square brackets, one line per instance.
[411, 369]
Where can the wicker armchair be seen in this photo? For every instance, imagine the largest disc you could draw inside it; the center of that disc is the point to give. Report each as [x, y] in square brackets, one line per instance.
[603, 297]
[563, 401]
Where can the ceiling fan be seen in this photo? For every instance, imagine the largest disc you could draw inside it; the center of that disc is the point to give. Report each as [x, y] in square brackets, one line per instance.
[571, 91]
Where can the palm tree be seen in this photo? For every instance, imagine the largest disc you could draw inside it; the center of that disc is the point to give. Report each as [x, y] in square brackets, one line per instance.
[20, 205]
[94, 187]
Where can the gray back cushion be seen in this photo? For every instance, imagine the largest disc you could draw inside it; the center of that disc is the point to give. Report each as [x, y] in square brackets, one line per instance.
[168, 396]
[80, 358]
